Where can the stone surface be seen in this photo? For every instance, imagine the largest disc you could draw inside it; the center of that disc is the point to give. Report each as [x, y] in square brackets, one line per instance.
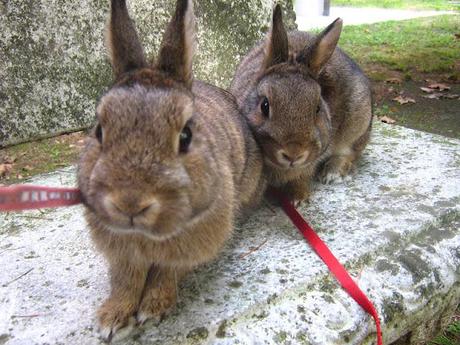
[53, 63]
[395, 226]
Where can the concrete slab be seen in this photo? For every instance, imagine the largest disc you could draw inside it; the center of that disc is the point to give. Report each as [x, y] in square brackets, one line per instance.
[395, 226]
[308, 17]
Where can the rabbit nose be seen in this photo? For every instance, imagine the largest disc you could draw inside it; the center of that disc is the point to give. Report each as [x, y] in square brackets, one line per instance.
[292, 159]
[132, 207]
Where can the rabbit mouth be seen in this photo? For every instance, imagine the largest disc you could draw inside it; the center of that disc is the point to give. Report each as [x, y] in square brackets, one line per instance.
[157, 236]
[286, 167]
[136, 230]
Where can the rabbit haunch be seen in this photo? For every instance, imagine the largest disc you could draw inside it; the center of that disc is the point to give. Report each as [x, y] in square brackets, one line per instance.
[308, 105]
[168, 168]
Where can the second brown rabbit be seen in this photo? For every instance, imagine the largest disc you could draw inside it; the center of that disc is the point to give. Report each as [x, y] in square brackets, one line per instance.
[308, 105]
[168, 168]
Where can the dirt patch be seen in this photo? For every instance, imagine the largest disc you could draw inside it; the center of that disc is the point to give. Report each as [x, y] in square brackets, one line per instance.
[17, 163]
[439, 114]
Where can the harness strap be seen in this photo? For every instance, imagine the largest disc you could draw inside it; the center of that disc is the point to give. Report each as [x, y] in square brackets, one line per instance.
[27, 197]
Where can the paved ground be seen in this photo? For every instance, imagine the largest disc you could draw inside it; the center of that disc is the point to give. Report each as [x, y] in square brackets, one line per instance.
[308, 15]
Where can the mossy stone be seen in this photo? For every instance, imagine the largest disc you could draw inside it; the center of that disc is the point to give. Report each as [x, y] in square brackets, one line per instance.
[53, 63]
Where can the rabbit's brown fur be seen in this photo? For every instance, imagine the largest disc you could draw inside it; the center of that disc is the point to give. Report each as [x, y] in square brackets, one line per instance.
[154, 210]
[320, 106]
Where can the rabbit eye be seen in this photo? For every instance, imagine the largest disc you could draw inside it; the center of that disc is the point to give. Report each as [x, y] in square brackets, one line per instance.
[185, 139]
[265, 107]
[99, 133]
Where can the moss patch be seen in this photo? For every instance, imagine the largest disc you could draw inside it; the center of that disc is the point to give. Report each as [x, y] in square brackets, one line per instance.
[221, 331]
[199, 333]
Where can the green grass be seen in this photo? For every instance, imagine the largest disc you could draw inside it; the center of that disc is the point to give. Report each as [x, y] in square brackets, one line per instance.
[424, 45]
[400, 4]
[451, 336]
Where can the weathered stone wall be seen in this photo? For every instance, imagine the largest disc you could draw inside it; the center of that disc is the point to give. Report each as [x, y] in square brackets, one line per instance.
[53, 63]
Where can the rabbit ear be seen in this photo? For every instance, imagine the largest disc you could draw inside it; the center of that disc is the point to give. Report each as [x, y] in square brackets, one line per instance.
[277, 49]
[177, 49]
[319, 53]
[126, 52]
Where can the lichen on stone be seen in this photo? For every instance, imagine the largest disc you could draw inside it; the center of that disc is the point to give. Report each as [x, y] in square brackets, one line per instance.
[54, 66]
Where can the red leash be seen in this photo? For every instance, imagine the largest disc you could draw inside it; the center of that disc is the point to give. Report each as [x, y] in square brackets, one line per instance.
[24, 197]
[330, 260]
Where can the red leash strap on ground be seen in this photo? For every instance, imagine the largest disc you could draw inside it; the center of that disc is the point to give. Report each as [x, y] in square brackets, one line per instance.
[26, 197]
[330, 260]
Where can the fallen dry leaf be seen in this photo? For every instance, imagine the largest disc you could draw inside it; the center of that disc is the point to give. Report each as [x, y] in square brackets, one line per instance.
[427, 89]
[5, 169]
[450, 95]
[438, 95]
[8, 159]
[393, 81]
[435, 95]
[403, 100]
[439, 86]
[387, 119]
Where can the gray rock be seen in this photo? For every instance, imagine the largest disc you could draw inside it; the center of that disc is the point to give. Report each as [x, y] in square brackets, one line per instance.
[395, 226]
[53, 63]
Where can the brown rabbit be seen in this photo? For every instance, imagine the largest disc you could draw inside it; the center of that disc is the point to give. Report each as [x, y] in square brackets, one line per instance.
[168, 167]
[308, 104]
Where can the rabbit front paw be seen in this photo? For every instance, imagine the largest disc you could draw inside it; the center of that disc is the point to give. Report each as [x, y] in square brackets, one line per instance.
[157, 302]
[298, 191]
[300, 197]
[116, 317]
[336, 170]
